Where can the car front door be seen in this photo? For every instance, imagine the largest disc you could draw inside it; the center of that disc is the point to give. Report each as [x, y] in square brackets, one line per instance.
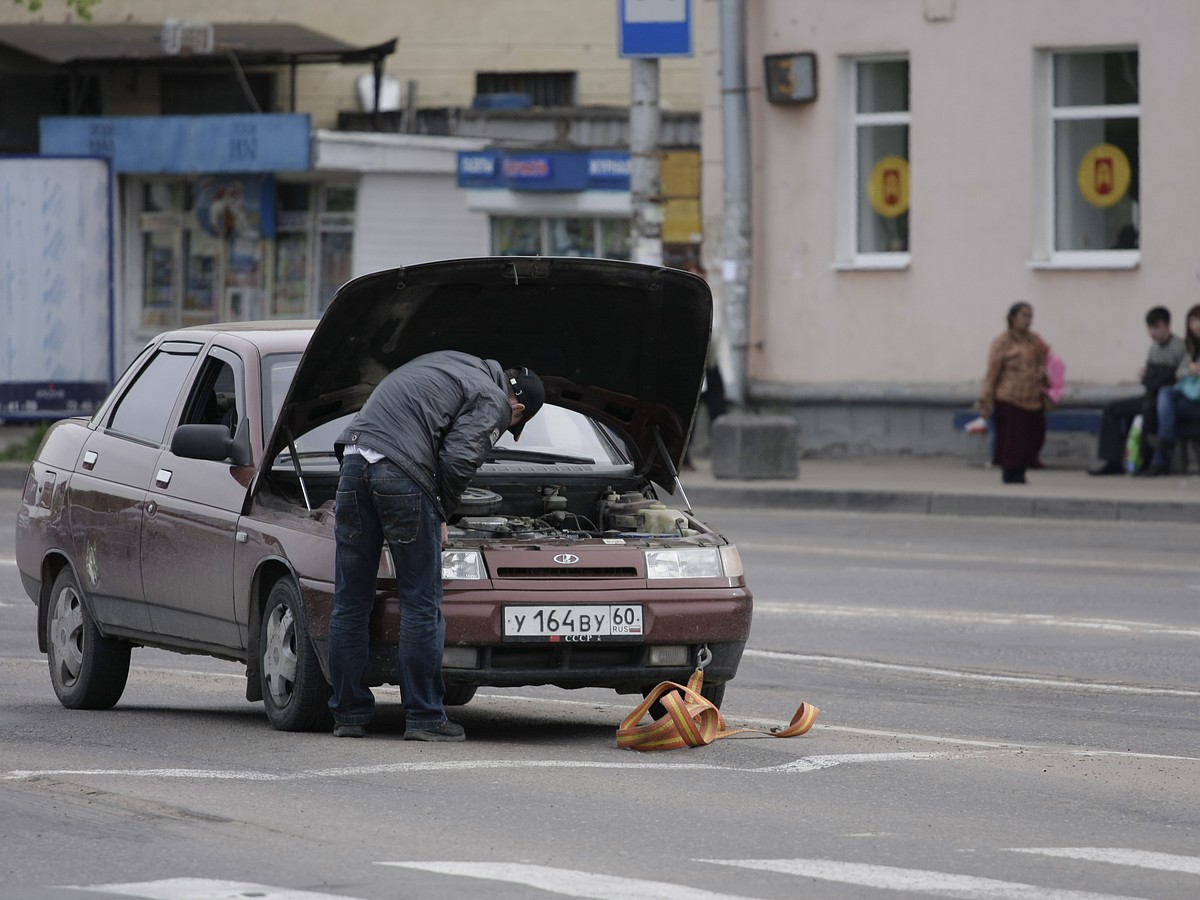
[108, 488]
[190, 523]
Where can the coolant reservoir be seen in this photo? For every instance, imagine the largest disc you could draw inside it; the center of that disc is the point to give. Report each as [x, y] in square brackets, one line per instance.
[658, 519]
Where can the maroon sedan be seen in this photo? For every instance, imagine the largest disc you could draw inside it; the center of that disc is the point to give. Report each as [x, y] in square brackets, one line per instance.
[194, 511]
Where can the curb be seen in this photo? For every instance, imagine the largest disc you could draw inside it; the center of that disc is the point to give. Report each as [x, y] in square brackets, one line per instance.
[707, 495]
[12, 476]
[937, 503]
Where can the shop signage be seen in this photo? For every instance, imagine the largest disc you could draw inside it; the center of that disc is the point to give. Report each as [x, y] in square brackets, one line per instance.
[522, 170]
[184, 144]
[1104, 175]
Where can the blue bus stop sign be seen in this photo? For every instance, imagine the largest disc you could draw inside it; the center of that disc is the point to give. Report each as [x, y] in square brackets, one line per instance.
[651, 28]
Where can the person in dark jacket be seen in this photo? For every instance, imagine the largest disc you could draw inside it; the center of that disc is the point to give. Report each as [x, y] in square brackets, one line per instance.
[406, 459]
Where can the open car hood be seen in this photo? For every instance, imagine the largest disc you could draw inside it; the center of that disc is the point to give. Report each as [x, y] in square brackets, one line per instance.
[622, 342]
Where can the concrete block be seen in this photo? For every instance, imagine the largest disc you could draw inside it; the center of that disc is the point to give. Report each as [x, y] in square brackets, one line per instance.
[748, 445]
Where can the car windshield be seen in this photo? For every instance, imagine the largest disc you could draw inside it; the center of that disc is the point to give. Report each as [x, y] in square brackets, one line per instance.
[555, 436]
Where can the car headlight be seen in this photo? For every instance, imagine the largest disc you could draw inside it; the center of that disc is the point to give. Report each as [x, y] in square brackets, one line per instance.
[462, 565]
[693, 562]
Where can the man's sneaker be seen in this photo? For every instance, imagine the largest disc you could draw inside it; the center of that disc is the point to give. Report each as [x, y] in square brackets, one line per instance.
[350, 731]
[447, 731]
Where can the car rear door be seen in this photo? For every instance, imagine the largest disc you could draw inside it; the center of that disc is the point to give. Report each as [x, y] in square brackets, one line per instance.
[190, 524]
[108, 489]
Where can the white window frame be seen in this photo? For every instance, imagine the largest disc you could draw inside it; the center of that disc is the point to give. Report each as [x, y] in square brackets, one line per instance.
[1045, 256]
[849, 121]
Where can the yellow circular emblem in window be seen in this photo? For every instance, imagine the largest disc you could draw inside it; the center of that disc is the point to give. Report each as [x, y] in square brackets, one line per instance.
[887, 187]
[1104, 175]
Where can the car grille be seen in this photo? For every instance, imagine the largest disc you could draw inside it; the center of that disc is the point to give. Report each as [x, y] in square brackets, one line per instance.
[563, 572]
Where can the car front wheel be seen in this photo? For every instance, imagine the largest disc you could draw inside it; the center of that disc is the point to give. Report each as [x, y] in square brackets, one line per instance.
[295, 693]
[87, 669]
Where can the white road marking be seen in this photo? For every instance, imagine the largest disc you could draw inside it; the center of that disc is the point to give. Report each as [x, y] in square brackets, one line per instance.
[568, 882]
[8, 561]
[974, 618]
[205, 889]
[804, 764]
[1121, 856]
[918, 881]
[1008, 562]
[1066, 684]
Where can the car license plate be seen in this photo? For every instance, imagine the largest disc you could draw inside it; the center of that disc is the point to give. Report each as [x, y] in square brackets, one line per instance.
[573, 624]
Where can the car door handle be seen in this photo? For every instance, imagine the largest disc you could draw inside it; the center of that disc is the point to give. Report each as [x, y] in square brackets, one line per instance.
[163, 478]
[89, 459]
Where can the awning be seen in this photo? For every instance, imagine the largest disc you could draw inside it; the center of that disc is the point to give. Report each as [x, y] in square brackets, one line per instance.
[265, 43]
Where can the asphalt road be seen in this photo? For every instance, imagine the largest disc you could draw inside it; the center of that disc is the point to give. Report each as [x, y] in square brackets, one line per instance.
[1010, 709]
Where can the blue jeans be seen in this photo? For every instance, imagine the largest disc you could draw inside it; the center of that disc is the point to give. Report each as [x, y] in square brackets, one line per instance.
[378, 502]
[1172, 406]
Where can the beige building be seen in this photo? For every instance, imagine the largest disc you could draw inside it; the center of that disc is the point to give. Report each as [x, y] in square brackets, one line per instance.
[959, 155]
[253, 173]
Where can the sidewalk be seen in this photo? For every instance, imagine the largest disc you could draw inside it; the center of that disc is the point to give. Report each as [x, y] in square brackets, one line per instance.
[948, 486]
[930, 486]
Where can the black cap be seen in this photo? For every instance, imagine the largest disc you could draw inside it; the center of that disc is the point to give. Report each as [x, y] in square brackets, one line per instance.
[529, 391]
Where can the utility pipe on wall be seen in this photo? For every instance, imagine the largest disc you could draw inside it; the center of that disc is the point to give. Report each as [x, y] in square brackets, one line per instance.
[735, 225]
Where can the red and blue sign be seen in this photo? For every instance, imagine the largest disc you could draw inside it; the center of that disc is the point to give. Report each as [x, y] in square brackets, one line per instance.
[549, 170]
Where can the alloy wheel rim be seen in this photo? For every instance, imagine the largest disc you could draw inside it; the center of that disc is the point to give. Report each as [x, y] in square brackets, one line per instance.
[279, 655]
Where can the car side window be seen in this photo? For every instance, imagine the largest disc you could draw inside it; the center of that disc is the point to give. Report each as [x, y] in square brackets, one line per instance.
[144, 410]
[217, 397]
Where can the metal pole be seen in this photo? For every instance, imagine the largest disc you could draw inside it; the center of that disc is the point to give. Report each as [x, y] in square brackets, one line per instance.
[645, 166]
[735, 226]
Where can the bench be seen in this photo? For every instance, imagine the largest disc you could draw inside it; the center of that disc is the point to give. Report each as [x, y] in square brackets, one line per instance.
[1087, 420]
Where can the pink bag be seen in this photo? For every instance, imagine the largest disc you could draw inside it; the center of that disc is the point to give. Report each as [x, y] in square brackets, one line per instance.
[1056, 373]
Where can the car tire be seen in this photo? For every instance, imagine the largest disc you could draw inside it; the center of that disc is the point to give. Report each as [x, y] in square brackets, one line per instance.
[458, 694]
[294, 690]
[713, 693]
[87, 669]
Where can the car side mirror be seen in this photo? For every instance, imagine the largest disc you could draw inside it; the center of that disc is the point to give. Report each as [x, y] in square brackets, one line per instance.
[213, 442]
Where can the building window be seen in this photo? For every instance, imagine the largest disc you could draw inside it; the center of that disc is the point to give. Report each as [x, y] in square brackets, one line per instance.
[238, 247]
[606, 238]
[874, 207]
[335, 233]
[542, 88]
[1090, 153]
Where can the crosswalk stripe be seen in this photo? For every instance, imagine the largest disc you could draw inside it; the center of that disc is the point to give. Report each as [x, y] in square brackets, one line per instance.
[893, 878]
[204, 889]
[1121, 856]
[568, 882]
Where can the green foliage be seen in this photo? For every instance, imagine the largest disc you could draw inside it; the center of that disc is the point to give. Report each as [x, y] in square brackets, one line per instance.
[23, 451]
[82, 7]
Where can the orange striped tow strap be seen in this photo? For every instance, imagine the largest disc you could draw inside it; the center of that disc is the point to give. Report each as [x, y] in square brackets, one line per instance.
[692, 721]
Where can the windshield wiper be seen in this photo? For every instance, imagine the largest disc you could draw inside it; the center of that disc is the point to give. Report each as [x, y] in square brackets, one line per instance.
[512, 455]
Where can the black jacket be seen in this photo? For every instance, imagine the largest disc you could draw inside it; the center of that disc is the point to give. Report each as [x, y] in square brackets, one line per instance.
[436, 417]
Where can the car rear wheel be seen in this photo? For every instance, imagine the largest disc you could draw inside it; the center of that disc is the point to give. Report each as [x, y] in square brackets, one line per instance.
[87, 669]
[713, 693]
[458, 694]
[295, 692]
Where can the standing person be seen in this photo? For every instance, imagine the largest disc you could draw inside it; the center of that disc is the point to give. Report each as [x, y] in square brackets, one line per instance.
[1012, 393]
[1179, 400]
[1166, 354]
[406, 459]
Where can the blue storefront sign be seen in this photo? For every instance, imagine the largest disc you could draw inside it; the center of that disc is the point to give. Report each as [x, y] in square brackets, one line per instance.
[552, 170]
[184, 144]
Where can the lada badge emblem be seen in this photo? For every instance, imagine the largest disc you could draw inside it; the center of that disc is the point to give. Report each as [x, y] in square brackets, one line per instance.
[566, 559]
